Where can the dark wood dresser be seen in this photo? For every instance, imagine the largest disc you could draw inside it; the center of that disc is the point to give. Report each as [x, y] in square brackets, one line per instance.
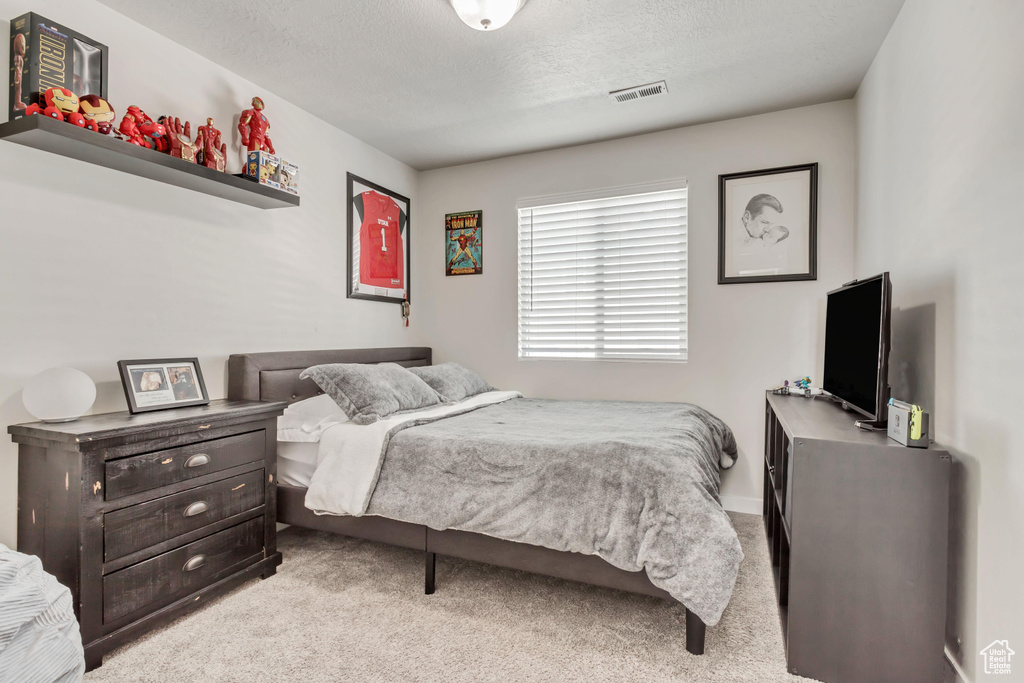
[145, 517]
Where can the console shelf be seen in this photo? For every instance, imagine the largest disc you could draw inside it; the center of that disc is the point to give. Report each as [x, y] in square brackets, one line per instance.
[857, 533]
[42, 132]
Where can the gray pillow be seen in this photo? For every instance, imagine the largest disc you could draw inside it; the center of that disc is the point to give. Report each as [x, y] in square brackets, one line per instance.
[368, 393]
[453, 381]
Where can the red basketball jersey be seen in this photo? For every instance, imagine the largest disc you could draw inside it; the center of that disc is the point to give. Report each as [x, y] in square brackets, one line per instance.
[381, 257]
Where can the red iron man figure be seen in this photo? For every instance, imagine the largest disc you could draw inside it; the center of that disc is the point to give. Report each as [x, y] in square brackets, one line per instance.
[255, 128]
[143, 131]
[60, 104]
[19, 66]
[97, 112]
[212, 153]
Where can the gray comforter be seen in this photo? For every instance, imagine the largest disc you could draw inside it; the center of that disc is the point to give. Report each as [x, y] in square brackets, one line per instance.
[635, 483]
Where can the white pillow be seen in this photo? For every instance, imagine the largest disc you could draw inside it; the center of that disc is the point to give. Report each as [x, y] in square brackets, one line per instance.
[305, 421]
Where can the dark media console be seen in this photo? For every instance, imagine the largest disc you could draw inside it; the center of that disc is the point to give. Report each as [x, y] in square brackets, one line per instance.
[857, 529]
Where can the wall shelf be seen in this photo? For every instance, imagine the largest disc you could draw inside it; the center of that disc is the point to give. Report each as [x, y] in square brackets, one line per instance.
[58, 137]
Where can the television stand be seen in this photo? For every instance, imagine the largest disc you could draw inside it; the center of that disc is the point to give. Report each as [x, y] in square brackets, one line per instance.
[857, 533]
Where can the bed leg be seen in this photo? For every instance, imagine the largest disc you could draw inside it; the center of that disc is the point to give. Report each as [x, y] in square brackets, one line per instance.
[431, 563]
[694, 634]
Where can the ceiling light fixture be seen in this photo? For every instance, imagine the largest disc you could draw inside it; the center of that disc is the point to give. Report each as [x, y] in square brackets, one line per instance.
[486, 15]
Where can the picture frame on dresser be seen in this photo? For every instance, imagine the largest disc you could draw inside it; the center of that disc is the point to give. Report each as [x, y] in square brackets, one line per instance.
[378, 242]
[159, 384]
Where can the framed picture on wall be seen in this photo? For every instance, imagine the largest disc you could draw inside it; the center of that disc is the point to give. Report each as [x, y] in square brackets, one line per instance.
[464, 243]
[768, 225]
[162, 383]
[378, 242]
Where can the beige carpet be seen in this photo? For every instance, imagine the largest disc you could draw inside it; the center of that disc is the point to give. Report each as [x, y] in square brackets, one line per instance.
[346, 610]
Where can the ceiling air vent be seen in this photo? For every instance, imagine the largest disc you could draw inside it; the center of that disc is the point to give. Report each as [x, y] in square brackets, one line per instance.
[639, 92]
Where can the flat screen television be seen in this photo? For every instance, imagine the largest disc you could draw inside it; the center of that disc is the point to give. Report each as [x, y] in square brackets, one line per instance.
[857, 331]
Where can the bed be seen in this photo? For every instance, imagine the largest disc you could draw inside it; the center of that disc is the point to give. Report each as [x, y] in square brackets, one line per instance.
[275, 376]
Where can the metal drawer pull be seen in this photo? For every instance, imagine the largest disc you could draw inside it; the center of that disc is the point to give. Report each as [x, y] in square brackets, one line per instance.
[195, 563]
[196, 508]
[198, 460]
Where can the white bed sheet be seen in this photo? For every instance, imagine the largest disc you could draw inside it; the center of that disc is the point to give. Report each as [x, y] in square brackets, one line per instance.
[296, 462]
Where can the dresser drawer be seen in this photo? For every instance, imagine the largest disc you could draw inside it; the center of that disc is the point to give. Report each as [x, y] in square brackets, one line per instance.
[140, 526]
[164, 578]
[160, 468]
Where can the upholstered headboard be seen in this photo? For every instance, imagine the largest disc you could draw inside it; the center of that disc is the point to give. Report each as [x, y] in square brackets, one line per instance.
[274, 376]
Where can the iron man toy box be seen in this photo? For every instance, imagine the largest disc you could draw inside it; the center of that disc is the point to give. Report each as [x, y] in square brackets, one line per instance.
[46, 55]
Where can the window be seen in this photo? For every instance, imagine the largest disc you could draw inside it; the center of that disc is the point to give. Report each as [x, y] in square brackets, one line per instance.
[604, 278]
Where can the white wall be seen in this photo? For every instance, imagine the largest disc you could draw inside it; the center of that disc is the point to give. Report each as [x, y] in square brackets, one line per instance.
[940, 121]
[97, 266]
[743, 338]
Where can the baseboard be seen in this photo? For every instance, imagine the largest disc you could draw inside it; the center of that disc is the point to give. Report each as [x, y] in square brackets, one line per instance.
[750, 506]
[961, 676]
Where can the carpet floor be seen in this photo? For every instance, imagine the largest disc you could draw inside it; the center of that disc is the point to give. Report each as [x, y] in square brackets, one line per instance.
[341, 609]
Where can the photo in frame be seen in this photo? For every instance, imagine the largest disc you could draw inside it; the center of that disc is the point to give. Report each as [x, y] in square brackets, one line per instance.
[768, 225]
[378, 242]
[162, 383]
[464, 243]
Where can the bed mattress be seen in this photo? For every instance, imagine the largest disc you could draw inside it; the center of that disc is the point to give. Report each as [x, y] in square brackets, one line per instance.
[296, 462]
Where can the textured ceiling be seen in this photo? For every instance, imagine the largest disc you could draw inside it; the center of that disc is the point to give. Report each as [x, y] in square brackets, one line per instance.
[408, 77]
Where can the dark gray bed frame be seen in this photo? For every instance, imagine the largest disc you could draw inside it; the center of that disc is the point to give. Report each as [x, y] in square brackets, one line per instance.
[274, 376]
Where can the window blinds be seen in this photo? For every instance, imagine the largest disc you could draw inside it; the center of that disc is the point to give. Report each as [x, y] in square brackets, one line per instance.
[604, 278]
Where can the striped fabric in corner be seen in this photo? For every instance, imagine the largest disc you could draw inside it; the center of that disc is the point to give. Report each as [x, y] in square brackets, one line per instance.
[39, 636]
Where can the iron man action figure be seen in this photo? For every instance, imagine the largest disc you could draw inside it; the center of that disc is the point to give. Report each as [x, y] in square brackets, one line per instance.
[255, 128]
[143, 131]
[19, 65]
[212, 153]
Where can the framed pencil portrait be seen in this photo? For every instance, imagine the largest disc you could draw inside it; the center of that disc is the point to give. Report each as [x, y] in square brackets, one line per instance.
[378, 242]
[162, 383]
[768, 225]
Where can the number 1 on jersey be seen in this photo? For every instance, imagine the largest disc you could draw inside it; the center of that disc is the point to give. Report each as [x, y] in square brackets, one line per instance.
[383, 240]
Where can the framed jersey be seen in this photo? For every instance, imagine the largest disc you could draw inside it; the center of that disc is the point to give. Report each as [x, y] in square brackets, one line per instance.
[378, 242]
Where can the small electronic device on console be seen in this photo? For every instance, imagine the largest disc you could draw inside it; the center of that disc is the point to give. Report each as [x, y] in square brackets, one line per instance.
[908, 424]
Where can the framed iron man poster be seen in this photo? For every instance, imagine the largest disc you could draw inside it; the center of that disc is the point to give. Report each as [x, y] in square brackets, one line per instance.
[464, 243]
[378, 242]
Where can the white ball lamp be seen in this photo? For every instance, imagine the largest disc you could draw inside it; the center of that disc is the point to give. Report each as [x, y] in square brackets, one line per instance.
[59, 395]
[486, 15]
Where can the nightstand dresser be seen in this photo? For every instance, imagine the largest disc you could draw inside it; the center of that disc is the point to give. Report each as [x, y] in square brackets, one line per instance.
[147, 516]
